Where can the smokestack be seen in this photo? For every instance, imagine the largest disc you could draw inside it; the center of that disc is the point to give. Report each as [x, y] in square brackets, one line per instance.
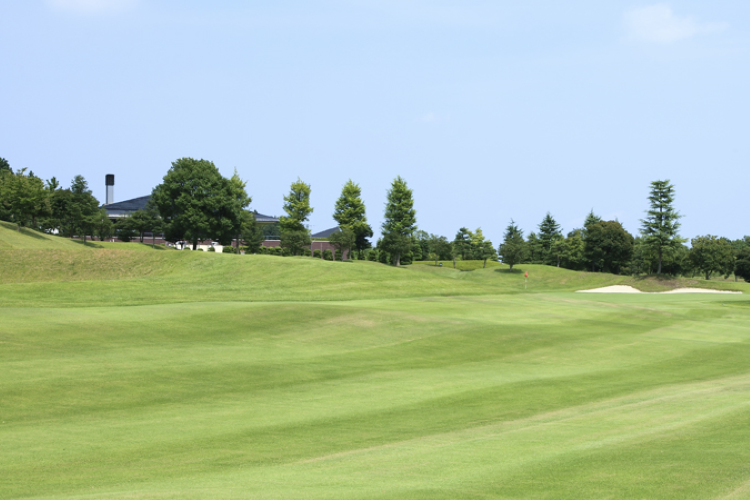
[109, 181]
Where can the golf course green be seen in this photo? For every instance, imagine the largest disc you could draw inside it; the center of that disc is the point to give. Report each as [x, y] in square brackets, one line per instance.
[135, 373]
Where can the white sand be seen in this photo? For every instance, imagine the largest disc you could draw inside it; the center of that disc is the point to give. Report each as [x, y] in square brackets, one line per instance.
[630, 289]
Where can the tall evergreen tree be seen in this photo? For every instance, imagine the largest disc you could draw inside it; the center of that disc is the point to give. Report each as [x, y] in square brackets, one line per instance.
[549, 233]
[5, 166]
[659, 228]
[294, 234]
[297, 207]
[350, 213]
[400, 220]
[513, 249]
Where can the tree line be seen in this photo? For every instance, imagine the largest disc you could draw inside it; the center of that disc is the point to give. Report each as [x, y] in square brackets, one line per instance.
[195, 203]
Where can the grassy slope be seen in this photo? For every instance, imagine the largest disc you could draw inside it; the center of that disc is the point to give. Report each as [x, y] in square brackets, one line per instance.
[130, 274]
[435, 384]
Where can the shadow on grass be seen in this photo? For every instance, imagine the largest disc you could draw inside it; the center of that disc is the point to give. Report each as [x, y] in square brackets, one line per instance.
[25, 231]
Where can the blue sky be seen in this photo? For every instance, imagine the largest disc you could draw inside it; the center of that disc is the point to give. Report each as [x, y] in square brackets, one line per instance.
[490, 110]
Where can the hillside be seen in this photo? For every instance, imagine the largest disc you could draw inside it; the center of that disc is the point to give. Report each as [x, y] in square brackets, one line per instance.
[131, 273]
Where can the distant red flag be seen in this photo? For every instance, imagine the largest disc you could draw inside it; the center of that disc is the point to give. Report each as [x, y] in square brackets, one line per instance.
[526, 274]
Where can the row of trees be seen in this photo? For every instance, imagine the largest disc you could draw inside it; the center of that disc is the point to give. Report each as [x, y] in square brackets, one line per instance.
[196, 203]
[607, 246]
[28, 201]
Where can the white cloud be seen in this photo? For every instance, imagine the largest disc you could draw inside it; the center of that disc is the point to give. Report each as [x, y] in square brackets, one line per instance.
[91, 6]
[657, 23]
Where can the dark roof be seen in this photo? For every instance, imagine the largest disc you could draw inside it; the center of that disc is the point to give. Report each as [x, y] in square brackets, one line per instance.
[326, 233]
[127, 207]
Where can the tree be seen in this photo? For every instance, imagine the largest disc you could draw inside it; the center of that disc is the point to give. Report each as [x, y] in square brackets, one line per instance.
[534, 246]
[240, 193]
[343, 240]
[659, 228]
[513, 249]
[5, 166]
[549, 232]
[103, 227]
[196, 203]
[297, 207]
[481, 248]
[710, 254]
[400, 220]
[462, 246]
[574, 251]
[350, 213]
[251, 234]
[294, 234]
[295, 241]
[609, 246]
[742, 264]
[591, 219]
[438, 248]
[24, 198]
[82, 207]
[144, 220]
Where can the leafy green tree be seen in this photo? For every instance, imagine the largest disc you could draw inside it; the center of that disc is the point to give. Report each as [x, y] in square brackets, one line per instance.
[143, 221]
[710, 254]
[609, 246]
[535, 251]
[462, 245]
[659, 228]
[196, 203]
[294, 242]
[343, 241]
[103, 227]
[240, 192]
[400, 220]
[742, 264]
[513, 249]
[438, 248]
[83, 208]
[24, 198]
[573, 251]
[297, 207]
[549, 233]
[350, 213]
[251, 234]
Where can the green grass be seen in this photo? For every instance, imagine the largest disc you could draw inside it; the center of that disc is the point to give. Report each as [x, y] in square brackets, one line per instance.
[196, 375]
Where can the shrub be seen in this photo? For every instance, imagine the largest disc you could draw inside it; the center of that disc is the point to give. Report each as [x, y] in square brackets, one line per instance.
[317, 254]
[306, 252]
[372, 255]
[227, 249]
[327, 255]
[276, 251]
[211, 249]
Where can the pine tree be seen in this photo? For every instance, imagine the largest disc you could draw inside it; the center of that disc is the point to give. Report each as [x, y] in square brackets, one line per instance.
[513, 249]
[549, 233]
[400, 220]
[350, 213]
[661, 224]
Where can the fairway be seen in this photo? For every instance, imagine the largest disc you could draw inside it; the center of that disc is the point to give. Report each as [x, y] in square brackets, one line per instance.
[459, 385]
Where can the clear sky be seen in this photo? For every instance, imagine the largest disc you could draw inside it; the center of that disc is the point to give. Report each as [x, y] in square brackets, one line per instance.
[490, 110]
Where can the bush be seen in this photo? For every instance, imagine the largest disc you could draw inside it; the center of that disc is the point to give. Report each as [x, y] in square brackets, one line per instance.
[276, 251]
[317, 254]
[227, 249]
[327, 255]
[211, 249]
[306, 252]
[372, 255]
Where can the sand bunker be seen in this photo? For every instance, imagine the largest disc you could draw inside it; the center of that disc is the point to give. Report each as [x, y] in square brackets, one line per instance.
[630, 289]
